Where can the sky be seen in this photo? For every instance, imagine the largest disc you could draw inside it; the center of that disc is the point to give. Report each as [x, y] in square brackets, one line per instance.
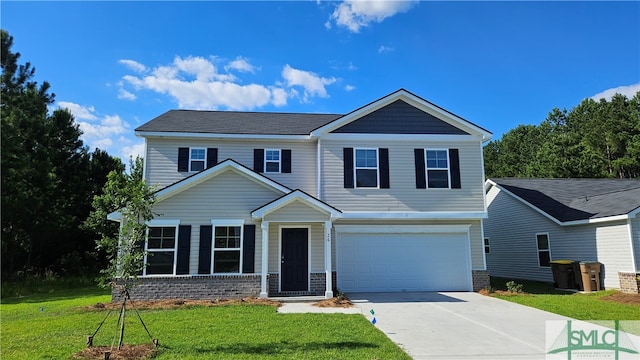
[117, 64]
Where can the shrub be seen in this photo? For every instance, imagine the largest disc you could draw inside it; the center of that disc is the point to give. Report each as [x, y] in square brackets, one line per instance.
[513, 287]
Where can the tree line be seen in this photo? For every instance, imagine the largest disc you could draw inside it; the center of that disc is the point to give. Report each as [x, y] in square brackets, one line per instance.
[595, 139]
[48, 180]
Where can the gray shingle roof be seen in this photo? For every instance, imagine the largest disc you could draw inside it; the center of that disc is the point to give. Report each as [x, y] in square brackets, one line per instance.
[237, 122]
[577, 199]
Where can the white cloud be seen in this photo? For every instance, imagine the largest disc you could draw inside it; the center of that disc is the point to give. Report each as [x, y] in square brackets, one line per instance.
[312, 84]
[349, 87]
[629, 91]
[79, 111]
[240, 64]
[125, 95]
[133, 65]
[355, 14]
[385, 49]
[132, 151]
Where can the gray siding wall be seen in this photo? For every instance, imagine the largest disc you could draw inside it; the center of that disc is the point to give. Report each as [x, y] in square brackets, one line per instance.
[635, 231]
[475, 236]
[512, 228]
[162, 159]
[402, 194]
[226, 196]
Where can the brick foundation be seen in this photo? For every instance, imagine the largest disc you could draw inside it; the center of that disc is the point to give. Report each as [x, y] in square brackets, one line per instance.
[317, 286]
[194, 287]
[480, 279]
[629, 282]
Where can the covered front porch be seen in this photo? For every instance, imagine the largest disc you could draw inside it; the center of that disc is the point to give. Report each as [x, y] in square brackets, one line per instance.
[297, 258]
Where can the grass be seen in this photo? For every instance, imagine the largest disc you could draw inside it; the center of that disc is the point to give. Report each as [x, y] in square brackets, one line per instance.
[55, 325]
[587, 306]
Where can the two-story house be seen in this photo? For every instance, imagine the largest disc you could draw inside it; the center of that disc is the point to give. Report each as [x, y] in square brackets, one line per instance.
[389, 197]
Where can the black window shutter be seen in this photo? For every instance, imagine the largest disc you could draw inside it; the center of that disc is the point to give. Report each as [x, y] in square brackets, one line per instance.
[348, 168]
[383, 164]
[421, 176]
[183, 159]
[248, 249]
[212, 157]
[184, 246]
[286, 161]
[454, 166]
[258, 160]
[204, 256]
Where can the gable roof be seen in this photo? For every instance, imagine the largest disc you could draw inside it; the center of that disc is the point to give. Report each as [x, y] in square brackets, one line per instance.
[221, 167]
[575, 200]
[196, 123]
[419, 103]
[296, 195]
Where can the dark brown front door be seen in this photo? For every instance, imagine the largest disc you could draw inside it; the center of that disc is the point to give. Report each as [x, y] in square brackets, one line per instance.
[295, 259]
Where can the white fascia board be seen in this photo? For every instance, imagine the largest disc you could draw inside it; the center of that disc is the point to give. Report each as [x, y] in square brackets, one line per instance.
[218, 169]
[596, 220]
[402, 137]
[407, 229]
[296, 195]
[392, 215]
[183, 135]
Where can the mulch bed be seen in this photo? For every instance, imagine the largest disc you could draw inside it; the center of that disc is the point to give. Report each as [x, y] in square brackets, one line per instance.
[338, 301]
[128, 352]
[633, 299]
[180, 303]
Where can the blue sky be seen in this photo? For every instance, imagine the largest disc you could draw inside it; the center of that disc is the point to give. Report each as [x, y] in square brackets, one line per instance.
[116, 65]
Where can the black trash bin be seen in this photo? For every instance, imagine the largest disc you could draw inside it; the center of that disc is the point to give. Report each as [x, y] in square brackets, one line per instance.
[563, 276]
[577, 276]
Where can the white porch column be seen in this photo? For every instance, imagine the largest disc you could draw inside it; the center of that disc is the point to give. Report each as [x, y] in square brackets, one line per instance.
[327, 260]
[265, 260]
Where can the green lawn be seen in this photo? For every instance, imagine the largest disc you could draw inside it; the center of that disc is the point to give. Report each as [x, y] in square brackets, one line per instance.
[54, 326]
[572, 304]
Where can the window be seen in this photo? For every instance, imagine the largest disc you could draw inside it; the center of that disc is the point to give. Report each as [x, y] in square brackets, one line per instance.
[226, 249]
[272, 161]
[366, 168]
[544, 255]
[161, 250]
[197, 159]
[437, 168]
[487, 249]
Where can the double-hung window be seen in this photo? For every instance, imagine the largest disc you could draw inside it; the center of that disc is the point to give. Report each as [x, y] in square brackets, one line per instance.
[197, 158]
[272, 160]
[544, 252]
[366, 168]
[227, 247]
[437, 168]
[161, 250]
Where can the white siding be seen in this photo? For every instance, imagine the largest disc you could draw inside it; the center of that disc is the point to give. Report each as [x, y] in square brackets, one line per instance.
[162, 159]
[512, 227]
[226, 196]
[403, 195]
[297, 211]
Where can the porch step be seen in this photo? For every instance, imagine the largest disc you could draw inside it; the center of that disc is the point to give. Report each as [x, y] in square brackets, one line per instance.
[312, 298]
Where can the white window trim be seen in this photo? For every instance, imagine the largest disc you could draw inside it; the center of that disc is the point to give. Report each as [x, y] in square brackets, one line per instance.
[427, 168]
[272, 161]
[486, 242]
[538, 250]
[161, 223]
[356, 168]
[225, 223]
[204, 165]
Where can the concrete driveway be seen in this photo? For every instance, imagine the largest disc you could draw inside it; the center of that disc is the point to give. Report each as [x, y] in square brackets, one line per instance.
[457, 325]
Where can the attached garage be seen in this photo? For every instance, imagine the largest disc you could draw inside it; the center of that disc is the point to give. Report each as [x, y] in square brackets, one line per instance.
[396, 259]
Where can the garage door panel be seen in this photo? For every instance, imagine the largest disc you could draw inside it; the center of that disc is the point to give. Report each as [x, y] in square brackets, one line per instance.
[403, 262]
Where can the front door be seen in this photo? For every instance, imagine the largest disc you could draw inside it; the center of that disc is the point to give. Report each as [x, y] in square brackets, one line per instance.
[295, 259]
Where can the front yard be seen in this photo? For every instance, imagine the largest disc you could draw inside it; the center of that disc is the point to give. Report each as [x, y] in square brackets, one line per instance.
[601, 305]
[55, 326]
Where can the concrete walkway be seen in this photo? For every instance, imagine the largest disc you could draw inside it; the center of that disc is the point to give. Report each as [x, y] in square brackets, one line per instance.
[450, 325]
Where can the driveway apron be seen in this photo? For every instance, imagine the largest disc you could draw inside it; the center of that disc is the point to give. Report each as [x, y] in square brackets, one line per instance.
[457, 325]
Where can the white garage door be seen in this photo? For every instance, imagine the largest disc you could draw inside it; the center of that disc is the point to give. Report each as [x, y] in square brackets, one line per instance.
[391, 262]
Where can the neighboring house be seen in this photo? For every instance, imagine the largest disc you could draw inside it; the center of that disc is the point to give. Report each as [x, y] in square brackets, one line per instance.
[533, 221]
[389, 197]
